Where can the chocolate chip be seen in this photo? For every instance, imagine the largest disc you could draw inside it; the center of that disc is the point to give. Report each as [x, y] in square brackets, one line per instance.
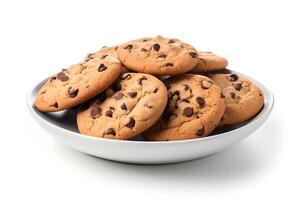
[186, 87]
[222, 95]
[200, 101]
[155, 90]
[101, 68]
[119, 96]
[168, 86]
[193, 54]
[140, 81]
[54, 105]
[95, 112]
[233, 77]
[200, 132]
[188, 111]
[185, 100]
[128, 47]
[123, 106]
[206, 84]
[110, 131]
[52, 78]
[117, 87]
[232, 94]
[143, 49]
[72, 92]
[104, 56]
[109, 113]
[172, 94]
[130, 123]
[132, 94]
[109, 92]
[171, 41]
[126, 77]
[162, 56]
[156, 47]
[168, 65]
[238, 86]
[62, 77]
[260, 94]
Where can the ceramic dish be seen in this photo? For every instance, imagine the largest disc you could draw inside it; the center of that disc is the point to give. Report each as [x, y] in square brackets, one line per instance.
[62, 126]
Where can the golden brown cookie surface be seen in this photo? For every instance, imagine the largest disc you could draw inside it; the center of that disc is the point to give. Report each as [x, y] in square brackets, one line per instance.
[194, 109]
[243, 98]
[78, 83]
[123, 111]
[208, 61]
[159, 56]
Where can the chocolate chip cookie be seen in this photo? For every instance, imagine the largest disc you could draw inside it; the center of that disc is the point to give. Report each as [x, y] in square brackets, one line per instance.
[129, 107]
[194, 109]
[243, 98]
[78, 83]
[208, 61]
[159, 56]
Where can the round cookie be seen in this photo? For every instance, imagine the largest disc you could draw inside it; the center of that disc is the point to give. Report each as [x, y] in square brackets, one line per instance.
[78, 83]
[243, 98]
[194, 109]
[208, 61]
[106, 51]
[159, 56]
[126, 109]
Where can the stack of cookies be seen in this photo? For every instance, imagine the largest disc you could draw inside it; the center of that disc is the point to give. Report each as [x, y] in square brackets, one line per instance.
[160, 88]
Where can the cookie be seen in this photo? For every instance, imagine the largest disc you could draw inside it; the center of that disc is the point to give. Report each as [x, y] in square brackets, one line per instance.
[208, 61]
[158, 56]
[104, 52]
[126, 109]
[194, 109]
[78, 83]
[243, 98]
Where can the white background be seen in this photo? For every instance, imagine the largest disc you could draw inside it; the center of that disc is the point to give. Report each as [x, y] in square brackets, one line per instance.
[259, 38]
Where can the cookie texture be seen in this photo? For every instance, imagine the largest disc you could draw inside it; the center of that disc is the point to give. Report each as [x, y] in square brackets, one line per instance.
[126, 109]
[194, 109]
[243, 98]
[208, 61]
[78, 83]
[105, 51]
[159, 56]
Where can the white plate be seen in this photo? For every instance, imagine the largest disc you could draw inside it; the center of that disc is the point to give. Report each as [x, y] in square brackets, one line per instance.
[62, 125]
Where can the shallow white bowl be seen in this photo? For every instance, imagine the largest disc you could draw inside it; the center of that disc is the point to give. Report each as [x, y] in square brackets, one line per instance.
[62, 125]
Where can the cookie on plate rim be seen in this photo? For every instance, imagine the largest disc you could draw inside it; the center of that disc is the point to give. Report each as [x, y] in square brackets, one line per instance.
[77, 84]
[243, 99]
